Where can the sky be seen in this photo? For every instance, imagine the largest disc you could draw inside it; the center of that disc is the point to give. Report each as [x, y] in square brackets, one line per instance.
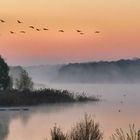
[117, 20]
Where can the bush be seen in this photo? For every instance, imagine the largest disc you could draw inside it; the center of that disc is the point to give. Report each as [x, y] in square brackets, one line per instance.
[131, 135]
[57, 134]
[36, 97]
[86, 130]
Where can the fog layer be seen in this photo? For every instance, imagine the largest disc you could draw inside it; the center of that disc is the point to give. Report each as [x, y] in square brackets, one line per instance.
[122, 71]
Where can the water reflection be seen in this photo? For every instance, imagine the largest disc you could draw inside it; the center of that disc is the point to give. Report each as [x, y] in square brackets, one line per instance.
[36, 123]
[8, 117]
[4, 126]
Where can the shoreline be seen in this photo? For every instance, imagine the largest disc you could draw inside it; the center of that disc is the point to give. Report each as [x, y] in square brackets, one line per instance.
[15, 98]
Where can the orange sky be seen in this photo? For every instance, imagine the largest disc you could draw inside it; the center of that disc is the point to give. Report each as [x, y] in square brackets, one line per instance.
[118, 21]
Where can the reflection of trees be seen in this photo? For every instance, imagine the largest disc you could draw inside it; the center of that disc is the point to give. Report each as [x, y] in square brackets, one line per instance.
[4, 126]
[7, 116]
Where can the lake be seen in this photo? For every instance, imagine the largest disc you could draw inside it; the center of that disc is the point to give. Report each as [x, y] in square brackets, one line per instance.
[119, 108]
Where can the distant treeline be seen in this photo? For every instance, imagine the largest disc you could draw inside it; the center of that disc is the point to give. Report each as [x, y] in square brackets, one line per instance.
[44, 96]
[124, 71]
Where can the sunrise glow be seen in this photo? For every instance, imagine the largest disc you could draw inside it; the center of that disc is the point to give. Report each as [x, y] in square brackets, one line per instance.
[118, 23]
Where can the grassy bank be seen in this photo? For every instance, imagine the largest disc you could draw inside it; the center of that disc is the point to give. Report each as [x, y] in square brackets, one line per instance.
[28, 98]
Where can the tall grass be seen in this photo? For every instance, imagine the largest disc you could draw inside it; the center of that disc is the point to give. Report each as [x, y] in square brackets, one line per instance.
[133, 134]
[57, 134]
[86, 129]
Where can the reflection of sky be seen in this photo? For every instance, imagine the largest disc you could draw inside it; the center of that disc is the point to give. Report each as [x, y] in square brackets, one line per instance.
[36, 123]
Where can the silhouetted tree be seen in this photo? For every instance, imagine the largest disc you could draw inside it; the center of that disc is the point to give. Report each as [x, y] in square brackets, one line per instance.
[4, 75]
[11, 83]
[24, 82]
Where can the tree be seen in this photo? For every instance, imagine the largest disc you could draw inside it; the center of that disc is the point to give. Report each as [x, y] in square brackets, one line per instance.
[4, 75]
[24, 82]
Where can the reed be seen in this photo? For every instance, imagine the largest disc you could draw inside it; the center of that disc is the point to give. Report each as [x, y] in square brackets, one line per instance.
[133, 134]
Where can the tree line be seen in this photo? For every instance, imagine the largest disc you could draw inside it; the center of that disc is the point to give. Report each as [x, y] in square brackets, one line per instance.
[24, 82]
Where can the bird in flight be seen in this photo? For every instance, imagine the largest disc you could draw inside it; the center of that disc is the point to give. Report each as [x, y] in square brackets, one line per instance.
[31, 27]
[61, 31]
[18, 21]
[78, 31]
[12, 32]
[45, 29]
[97, 32]
[2, 21]
[38, 29]
[22, 32]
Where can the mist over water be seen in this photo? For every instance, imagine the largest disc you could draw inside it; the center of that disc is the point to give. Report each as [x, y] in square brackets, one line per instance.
[37, 122]
[121, 71]
[116, 83]
[35, 32]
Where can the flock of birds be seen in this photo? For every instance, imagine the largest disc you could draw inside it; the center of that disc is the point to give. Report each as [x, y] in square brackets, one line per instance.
[45, 29]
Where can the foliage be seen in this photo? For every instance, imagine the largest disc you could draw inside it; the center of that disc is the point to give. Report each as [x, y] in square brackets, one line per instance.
[24, 82]
[57, 134]
[36, 97]
[131, 135]
[11, 83]
[87, 129]
[4, 75]
[126, 71]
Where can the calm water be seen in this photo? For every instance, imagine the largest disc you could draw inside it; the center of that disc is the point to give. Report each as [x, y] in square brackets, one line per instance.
[36, 123]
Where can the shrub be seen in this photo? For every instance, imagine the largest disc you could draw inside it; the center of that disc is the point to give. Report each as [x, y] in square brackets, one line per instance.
[131, 135]
[57, 134]
[86, 130]
[36, 97]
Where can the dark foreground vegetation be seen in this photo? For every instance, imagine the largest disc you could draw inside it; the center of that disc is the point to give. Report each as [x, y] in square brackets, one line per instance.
[44, 96]
[88, 129]
[132, 134]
